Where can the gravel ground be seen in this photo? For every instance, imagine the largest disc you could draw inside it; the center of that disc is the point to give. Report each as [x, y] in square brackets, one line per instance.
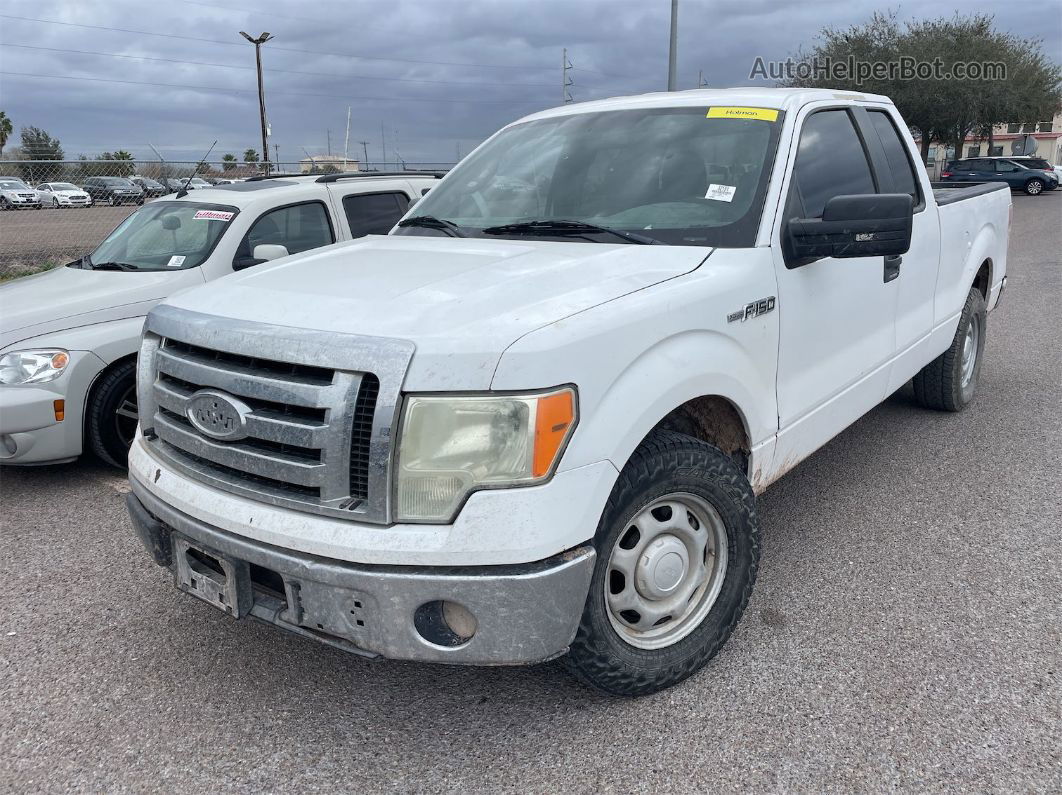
[905, 633]
[35, 239]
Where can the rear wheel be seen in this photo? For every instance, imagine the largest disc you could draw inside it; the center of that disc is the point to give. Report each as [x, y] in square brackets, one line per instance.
[112, 414]
[949, 382]
[678, 549]
[1034, 187]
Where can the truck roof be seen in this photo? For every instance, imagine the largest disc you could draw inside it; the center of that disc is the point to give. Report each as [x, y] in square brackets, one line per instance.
[781, 98]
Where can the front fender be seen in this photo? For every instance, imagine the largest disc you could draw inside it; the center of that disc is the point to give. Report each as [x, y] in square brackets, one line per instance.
[110, 340]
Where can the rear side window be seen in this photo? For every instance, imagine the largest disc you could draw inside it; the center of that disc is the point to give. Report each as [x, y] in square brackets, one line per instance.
[903, 176]
[374, 213]
[299, 227]
[830, 161]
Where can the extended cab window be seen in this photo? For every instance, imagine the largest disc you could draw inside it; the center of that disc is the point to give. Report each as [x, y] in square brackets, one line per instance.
[374, 213]
[903, 176]
[299, 227]
[830, 161]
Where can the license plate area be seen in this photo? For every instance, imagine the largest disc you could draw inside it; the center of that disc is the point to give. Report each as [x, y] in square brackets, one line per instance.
[210, 576]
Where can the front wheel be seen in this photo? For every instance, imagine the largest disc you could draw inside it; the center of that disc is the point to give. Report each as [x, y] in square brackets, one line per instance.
[1034, 187]
[112, 414]
[678, 548]
[55, 203]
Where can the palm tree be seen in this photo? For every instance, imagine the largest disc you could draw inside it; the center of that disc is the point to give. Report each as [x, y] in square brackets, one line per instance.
[5, 130]
[228, 162]
[250, 156]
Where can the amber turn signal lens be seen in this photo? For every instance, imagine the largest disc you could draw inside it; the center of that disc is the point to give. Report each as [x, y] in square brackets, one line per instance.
[60, 409]
[60, 360]
[553, 419]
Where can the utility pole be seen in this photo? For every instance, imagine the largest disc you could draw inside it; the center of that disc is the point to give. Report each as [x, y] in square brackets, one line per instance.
[276, 148]
[566, 81]
[672, 59]
[701, 82]
[346, 140]
[383, 145]
[329, 134]
[261, 91]
[365, 151]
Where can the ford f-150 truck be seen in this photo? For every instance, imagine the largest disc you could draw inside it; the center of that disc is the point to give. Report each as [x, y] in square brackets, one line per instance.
[533, 419]
[69, 336]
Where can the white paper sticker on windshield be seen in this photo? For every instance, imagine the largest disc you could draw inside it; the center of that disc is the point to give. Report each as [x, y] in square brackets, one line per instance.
[212, 215]
[175, 262]
[721, 193]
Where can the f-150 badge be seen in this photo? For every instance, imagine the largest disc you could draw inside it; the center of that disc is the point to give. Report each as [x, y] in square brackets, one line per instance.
[755, 309]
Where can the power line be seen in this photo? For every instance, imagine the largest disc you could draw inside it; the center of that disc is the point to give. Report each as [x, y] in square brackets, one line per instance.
[284, 49]
[272, 69]
[295, 93]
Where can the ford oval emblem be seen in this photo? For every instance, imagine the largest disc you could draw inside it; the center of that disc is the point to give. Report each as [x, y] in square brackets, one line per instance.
[218, 415]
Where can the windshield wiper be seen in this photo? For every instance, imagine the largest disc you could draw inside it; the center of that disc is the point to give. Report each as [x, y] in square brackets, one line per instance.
[113, 266]
[562, 227]
[431, 222]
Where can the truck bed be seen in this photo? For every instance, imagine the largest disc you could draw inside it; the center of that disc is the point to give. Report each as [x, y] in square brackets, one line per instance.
[951, 192]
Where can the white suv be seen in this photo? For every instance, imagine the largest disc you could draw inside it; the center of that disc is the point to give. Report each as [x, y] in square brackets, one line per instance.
[69, 336]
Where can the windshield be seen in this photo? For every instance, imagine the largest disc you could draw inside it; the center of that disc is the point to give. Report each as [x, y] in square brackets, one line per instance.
[677, 175]
[148, 182]
[164, 236]
[64, 186]
[13, 184]
[198, 181]
[117, 182]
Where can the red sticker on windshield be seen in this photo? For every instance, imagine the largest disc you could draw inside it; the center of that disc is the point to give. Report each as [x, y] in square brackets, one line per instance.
[212, 215]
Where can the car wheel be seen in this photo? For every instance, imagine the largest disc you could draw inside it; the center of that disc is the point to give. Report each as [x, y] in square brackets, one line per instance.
[677, 552]
[4, 203]
[112, 414]
[1034, 187]
[55, 203]
[949, 382]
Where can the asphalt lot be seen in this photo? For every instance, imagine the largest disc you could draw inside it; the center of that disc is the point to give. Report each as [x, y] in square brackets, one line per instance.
[32, 238]
[905, 633]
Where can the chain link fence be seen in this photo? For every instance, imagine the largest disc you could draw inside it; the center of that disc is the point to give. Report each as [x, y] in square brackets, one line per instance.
[66, 207]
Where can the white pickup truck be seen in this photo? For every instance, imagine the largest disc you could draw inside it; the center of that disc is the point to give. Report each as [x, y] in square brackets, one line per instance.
[69, 336]
[532, 421]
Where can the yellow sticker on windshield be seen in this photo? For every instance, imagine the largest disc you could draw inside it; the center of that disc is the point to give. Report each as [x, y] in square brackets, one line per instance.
[766, 114]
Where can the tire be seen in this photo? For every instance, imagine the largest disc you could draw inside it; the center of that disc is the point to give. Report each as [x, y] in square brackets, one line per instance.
[949, 382]
[1034, 187]
[55, 203]
[4, 204]
[110, 427]
[668, 467]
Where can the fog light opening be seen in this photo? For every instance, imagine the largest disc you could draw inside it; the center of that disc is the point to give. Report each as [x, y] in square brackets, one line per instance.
[446, 624]
[10, 446]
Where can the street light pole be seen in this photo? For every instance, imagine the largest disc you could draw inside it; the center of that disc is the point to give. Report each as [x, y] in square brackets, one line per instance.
[261, 91]
[672, 71]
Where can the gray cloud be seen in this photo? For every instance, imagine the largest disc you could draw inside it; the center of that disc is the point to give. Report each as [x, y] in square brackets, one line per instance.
[483, 63]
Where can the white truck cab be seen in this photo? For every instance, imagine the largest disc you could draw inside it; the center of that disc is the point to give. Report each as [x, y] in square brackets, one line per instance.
[69, 336]
[533, 420]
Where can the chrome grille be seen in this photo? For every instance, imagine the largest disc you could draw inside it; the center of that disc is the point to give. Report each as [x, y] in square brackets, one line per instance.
[319, 409]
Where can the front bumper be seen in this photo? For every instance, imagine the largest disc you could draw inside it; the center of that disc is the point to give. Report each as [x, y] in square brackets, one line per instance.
[523, 614]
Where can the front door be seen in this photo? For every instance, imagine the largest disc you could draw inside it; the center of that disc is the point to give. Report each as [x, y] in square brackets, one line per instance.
[837, 317]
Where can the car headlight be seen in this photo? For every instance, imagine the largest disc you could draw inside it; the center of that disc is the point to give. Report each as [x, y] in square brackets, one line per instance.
[32, 367]
[452, 446]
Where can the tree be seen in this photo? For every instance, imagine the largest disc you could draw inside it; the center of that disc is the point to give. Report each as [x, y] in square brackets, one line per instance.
[5, 130]
[228, 162]
[938, 104]
[250, 156]
[39, 145]
[115, 164]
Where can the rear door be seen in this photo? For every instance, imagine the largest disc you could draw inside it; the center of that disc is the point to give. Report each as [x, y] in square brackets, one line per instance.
[1011, 173]
[837, 317]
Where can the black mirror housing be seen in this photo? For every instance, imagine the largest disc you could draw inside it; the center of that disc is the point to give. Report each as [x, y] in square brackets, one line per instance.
[868, 225]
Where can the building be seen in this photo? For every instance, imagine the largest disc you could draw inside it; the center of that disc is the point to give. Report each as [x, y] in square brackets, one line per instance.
[318, 163]
[1040, 139]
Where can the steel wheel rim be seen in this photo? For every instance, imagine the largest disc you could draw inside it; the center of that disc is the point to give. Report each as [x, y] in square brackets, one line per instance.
[665, 571]
[125, 416]
[969, 349]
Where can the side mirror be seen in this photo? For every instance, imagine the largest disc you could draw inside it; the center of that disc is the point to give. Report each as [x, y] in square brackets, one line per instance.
[870, 225]
[264, 252]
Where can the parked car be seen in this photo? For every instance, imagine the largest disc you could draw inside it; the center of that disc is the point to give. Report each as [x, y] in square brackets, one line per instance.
[63, 194]
[172, 184]
[1039, 162]
[16, 194]
[71, 334]
[151, 188]
[533, 420]
[1032, 180]
[198, 183]
[113, 190]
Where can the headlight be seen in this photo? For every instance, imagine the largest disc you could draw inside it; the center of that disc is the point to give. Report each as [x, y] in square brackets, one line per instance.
[451, 446]
[32, 367]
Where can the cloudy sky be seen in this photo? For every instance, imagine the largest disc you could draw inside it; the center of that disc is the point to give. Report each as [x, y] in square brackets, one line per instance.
[437, 75]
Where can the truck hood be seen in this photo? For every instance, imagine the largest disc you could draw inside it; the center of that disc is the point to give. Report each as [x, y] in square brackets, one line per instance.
[64, 298]
[461, 301]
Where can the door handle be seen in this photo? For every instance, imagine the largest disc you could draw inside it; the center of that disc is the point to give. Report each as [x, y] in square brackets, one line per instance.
[892, 268]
